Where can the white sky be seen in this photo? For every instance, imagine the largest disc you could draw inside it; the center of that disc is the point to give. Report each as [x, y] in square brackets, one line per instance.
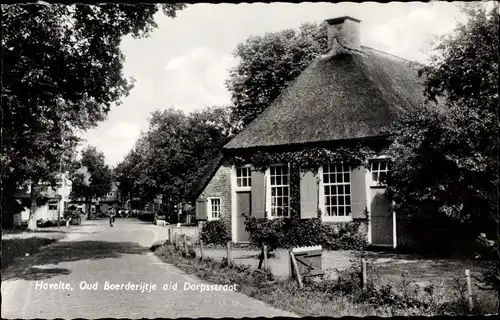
[185, 62]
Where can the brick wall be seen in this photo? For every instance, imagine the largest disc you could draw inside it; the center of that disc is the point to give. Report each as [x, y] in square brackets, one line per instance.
[220, 186]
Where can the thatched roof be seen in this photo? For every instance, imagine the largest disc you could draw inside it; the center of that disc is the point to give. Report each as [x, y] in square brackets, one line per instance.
[347, 96]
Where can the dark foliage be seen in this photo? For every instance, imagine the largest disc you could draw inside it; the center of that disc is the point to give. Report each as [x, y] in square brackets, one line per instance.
[294, 232]
[216, 232]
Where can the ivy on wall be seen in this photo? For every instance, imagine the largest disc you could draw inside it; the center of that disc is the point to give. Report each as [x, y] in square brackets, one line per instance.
[295, 232]
[307, 158]
[294, 191]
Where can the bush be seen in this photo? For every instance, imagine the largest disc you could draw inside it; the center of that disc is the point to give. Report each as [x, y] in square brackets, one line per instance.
[191, 253]
[270, 232]
[287, 233]
[146, 216]
[216, 232]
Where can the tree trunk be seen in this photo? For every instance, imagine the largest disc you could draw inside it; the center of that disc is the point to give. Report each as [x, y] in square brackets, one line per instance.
[498, 301]
[33, 196]
[88, 202]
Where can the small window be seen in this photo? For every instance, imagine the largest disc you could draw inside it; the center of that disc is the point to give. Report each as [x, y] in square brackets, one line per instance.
[379, 169]
[214, 208]
[93, 209]
[52, 206]
[110, 194]
[243, 177]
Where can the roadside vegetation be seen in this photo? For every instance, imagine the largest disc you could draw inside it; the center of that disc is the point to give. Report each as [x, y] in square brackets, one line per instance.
[334, 297]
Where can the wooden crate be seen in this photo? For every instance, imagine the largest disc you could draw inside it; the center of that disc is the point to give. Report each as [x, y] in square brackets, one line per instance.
[309, 260]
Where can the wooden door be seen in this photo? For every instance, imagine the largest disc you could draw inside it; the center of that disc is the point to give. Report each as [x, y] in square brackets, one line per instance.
[382, 226]
[242, 206]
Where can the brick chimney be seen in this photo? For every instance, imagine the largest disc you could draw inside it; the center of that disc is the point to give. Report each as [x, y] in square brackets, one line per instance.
[343, 35]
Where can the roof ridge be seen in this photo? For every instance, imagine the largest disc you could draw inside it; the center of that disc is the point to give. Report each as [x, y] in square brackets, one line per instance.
[395, 56]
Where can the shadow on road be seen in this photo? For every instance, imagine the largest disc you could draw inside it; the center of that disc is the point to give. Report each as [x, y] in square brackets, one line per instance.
[36, 273]
[31, 268]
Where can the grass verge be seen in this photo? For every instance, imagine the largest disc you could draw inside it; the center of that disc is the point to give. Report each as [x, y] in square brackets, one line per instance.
[343, 296]
[16, 247]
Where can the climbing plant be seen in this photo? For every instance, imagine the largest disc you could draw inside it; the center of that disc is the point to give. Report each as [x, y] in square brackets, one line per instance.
[307, 158]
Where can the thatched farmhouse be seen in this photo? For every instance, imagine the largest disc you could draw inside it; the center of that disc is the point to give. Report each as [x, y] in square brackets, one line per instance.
[345, 98]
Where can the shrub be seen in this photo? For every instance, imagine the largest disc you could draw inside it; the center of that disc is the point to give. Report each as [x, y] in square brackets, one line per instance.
[216, 232]
[191, 253]
[146, 216]
[287, 233]
[264, 231]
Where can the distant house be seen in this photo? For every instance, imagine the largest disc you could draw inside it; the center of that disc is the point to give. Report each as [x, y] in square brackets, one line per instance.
[111, 200]
[346, 96]
[53, 202]
[103, 204]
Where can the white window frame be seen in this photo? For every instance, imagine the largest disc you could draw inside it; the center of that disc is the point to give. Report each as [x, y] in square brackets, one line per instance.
[245, 188]
[110, 194]
[209, 208]
[269, 188]
[322, 204]
[376, 183]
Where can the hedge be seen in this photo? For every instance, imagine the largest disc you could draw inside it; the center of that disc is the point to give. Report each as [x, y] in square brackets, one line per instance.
[288, 233]
[216, 231]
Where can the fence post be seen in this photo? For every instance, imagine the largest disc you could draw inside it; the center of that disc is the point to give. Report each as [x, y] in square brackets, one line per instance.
[264, 253]
[169, 235]
[176, 244]
[469, 289]
[201, 249]
[185, 246]
[363, 269]
[229, 253]
[296, 269]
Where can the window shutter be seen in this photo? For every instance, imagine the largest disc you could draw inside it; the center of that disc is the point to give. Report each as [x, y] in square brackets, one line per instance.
[358, 193]
[201, 209]
[258, 194]
[308, 195]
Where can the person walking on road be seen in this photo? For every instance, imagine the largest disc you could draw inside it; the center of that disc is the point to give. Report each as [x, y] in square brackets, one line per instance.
[111, 217]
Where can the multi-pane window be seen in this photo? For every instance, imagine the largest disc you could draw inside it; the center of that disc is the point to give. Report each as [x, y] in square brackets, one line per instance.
[337, 189]
[280, 190]
[243, 177]
[379, 169]
[214, 208]
[52, 206]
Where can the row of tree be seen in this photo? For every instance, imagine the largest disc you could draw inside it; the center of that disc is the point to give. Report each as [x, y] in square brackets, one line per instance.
[171, 157]
[61, 73]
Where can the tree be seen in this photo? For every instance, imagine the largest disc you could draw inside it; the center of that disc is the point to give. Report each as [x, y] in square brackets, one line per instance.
[174, 153]
[124, 174]
[445, 160]
[93, 179]
[61, 72]
[268, 64]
